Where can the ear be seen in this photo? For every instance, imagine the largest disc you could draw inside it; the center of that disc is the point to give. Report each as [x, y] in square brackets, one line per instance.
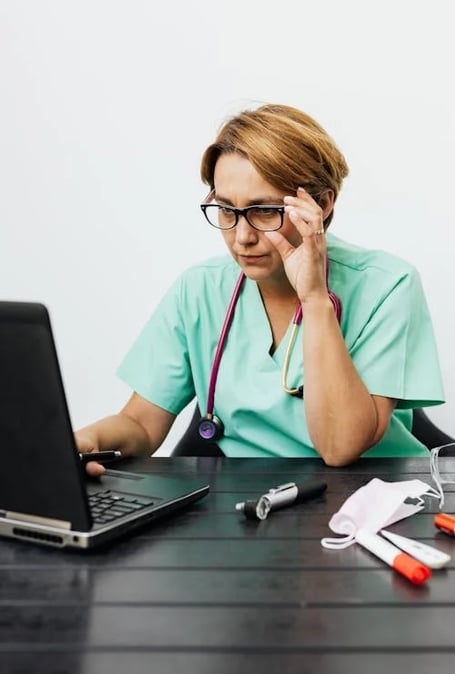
[326, 201]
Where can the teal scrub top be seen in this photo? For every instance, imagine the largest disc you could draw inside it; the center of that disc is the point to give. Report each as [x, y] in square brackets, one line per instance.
[385, 324]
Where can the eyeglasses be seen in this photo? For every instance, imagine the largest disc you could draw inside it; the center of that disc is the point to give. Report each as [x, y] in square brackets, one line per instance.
[263, 218]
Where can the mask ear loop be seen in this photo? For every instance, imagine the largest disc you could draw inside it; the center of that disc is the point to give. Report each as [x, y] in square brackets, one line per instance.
[339, 543]
[435, 474]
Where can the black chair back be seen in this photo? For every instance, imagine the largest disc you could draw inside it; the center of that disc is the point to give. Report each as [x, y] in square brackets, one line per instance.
[427, 432]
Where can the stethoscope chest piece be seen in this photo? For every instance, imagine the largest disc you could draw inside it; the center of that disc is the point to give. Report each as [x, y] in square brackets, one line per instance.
[210, 428]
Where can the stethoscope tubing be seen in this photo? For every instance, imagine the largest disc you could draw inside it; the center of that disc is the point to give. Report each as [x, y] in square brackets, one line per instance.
[221, 343]
[227, 324]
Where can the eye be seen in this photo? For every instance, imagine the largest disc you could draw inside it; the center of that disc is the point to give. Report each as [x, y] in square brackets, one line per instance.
[225, 211]
[264, 212]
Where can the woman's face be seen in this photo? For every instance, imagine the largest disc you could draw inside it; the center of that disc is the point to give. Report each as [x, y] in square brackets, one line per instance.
[238, 184]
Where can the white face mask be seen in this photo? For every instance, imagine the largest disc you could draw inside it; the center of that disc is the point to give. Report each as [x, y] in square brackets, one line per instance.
[375, 506]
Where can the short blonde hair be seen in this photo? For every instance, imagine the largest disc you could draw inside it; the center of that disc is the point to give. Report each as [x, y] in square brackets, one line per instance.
[287, 147]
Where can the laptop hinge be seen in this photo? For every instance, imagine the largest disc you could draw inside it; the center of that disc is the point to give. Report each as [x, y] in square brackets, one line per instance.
[35, 519]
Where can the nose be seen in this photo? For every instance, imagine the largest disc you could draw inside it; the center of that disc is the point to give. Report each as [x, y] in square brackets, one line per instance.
[244, 232]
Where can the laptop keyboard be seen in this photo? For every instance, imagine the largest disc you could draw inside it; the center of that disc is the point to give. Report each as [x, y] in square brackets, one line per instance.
[108, 506]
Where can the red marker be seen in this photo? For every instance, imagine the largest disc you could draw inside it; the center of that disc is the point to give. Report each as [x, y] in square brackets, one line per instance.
[409, 567]
[445, 523]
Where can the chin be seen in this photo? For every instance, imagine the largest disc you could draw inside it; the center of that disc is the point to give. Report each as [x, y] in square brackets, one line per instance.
[261, 270]
[255, 273]
[258, 276]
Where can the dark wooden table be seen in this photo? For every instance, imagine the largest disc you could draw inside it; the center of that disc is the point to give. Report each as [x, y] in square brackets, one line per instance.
[211, 592]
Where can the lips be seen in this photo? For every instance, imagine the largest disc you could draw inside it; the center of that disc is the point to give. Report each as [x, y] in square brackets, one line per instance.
[251, 258]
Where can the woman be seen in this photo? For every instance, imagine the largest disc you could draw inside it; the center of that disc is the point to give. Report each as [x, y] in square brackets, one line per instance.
[347, 327]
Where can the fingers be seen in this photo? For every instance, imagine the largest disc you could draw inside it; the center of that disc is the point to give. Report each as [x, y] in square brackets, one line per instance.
[307, 217]
[94, 469]
[281, 244]
[305, 214]
[84, 443]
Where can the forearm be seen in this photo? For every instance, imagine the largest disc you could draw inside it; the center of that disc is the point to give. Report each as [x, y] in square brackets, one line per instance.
[341, 415]
[118, 431]
[137, 430]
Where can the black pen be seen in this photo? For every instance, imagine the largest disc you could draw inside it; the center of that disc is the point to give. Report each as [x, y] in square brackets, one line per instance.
[280, 497]
[101, 457]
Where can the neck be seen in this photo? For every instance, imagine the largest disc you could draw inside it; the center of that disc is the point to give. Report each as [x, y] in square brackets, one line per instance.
[280, 303]
[277, 291]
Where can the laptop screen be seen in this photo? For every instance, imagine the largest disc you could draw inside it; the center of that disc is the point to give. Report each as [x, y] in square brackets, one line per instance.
[40, 472]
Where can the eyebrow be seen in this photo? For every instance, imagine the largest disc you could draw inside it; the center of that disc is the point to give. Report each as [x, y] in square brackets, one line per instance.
[259, 201]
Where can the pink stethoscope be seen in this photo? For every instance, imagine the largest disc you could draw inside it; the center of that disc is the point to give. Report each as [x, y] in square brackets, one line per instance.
[210, 427]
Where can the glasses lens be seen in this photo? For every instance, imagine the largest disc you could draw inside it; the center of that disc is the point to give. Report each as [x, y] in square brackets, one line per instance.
[219, 216]
[265, 218]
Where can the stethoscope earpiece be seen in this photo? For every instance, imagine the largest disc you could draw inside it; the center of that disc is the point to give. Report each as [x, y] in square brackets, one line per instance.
[210, 428]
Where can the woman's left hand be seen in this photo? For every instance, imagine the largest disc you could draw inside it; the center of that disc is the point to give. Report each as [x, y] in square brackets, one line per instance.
[304, 263]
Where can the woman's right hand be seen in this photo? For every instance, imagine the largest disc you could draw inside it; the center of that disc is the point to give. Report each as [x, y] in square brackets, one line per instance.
[86, 443]
[138, 429]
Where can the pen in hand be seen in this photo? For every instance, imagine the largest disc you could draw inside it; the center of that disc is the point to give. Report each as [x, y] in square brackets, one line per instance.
[280, 497]
[100, 457]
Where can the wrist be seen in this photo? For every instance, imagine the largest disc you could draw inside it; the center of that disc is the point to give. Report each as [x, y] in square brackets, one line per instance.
[317, 305]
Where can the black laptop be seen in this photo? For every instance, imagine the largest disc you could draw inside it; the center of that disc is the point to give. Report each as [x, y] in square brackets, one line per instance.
[45, 495]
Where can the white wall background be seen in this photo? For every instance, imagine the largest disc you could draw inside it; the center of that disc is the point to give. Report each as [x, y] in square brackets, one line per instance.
[107, 105]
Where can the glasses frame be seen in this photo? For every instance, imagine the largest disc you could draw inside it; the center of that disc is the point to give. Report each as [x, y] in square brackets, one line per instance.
[238, 212]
